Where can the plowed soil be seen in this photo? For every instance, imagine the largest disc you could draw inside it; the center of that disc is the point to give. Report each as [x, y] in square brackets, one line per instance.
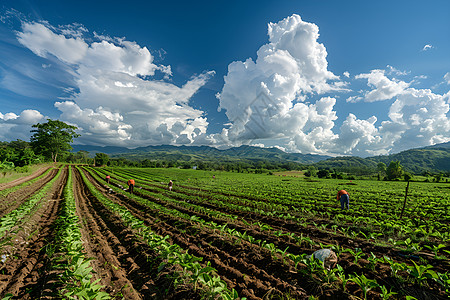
[128, 268]
[13, 200]
[20, 180]
[255, 273]
[24, 272]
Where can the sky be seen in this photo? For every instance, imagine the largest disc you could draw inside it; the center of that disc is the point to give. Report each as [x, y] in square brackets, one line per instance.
[327, 77]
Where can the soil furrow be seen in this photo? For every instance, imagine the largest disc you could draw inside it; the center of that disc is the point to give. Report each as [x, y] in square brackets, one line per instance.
[25, 271]
[256, 282]
[7, 185]
[13, 200]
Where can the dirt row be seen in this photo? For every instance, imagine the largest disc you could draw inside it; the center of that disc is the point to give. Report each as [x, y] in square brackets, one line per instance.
[126, 266]
[248, 268]
[319, 236]
[24, 274]
[382, 273]
[13, 200]
[7, 185]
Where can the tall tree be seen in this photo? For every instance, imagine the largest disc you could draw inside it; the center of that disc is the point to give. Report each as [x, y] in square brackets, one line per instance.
[52, 138]
[101, 159]
[394, 170]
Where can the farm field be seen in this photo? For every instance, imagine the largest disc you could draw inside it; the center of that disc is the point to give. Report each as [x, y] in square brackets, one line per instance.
[65, 232]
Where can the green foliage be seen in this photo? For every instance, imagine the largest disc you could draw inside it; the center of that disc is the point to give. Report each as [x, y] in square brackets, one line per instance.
[311, 172]
[101, 159]
[52, 138]
[364, 283]
[394, 170]
[16, 154]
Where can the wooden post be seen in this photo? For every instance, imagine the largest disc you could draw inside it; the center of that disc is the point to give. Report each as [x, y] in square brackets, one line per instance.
[404, 203]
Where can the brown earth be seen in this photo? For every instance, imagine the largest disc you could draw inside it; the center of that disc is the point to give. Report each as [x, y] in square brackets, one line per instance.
[128, 268]
[382, 273]
[7, 185]
[13, 200]
[24, 273]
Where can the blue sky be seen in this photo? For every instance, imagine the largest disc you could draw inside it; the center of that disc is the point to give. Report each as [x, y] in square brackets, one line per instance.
[327, 77]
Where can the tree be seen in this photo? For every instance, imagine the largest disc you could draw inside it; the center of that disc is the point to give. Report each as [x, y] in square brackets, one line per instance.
[311, 172]
[52, 138]
[381, 168]
[101, 159]
[323, 173]
[394, 170]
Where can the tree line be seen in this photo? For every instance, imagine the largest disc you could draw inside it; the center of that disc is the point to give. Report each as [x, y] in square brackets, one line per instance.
[51, 141]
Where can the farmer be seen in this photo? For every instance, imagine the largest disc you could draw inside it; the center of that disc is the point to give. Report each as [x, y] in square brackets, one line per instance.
[344, 197]
[108, 178]
[131, 185]
[170, 185]
[326, 256]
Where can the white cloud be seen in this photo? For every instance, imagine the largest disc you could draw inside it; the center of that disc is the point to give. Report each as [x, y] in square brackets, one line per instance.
[116, 102]
[393, 71]
[263, 98]
[265, 102]
[447, 77]
[384, 88]
[15, 127]
[427, 47]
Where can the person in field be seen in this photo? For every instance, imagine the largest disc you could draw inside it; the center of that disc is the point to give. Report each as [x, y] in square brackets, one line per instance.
[131, 185]
[344, 197]
[108, 178]
[170, 185]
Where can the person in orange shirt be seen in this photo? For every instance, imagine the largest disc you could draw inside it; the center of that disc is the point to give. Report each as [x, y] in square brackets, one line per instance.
[344, 197]
[130, 185]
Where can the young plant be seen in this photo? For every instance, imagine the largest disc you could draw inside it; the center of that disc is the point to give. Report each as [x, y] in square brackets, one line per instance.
[364, 283]
[385, 293]
[357, 254]
[435, 249]
[421, 273]
[342, 276]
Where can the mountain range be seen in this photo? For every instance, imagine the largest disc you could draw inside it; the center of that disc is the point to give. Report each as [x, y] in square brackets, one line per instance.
[434, 158]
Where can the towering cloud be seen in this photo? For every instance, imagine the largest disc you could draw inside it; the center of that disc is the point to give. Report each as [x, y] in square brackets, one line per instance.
[276, 100]
[264, 99]
[115, 101]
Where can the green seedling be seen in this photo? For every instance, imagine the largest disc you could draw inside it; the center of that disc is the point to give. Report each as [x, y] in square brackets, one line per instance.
[364, 283]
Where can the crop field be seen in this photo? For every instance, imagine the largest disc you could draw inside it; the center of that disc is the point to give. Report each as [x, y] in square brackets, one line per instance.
[65, 233]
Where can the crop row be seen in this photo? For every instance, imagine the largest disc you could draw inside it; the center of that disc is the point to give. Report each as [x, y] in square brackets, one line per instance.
[190, 270]
[296, 258]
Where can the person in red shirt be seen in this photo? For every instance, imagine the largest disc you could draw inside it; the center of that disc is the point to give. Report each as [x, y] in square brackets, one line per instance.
[108, 178]
[344, 197]
[130, 185]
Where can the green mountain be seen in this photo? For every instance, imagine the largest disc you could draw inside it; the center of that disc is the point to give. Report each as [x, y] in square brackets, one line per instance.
[433, 159]
[203, 153]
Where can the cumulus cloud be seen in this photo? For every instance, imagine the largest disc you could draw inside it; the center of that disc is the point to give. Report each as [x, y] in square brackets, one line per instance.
[271, 99]
[263, 98]
[114, 100]
[15, 127]
[383, 87]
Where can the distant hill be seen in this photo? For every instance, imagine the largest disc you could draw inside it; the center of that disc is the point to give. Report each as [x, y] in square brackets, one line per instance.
[434, 158]
[203, 153]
